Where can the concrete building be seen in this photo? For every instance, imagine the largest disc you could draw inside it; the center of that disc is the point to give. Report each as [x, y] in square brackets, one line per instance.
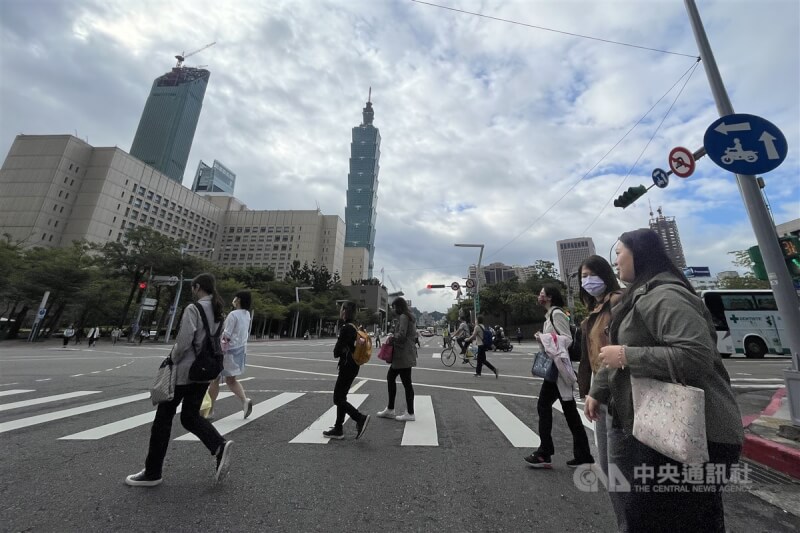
[524, 273]
[55, 189]
[362, 191]
[214, 179]
[372, 297]
[792, 227]
[166, 130]
[571, 253]
[667, 229]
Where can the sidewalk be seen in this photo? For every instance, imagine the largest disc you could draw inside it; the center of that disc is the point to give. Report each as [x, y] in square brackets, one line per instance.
[771, 440]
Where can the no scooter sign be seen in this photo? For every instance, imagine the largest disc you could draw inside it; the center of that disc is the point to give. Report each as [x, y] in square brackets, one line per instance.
[681, 162]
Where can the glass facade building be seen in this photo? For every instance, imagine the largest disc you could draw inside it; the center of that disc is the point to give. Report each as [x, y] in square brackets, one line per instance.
[362, 186]
[166, 130]
[217, 178]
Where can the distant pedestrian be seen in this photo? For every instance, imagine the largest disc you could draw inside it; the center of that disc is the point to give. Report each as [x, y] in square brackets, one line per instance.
[378, 338]
[234, 337]
[519, 336]
[191, 333]
[94, 334]
[306, 335]
[478, 335]
[116, 333]
[78, 335]
[143, 335]
[68, 334]
[404, 358]
[348, 370]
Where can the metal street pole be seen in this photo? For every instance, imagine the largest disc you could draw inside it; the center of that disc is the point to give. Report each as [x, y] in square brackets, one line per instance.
[297, 313]
[136, 325]
[174, 310]
[476, 302]
[764, 229]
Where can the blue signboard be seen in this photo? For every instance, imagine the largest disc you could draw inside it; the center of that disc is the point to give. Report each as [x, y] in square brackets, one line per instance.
[745, 144]
[660, 178]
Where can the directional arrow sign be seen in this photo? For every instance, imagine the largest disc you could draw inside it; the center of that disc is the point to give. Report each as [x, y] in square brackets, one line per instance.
[745, 144]
[660, 178]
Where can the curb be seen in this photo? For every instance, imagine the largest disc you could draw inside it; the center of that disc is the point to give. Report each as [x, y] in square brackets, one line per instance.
[769, 453]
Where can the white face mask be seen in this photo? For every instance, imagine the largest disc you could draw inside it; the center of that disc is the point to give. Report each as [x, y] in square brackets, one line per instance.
[593, 285]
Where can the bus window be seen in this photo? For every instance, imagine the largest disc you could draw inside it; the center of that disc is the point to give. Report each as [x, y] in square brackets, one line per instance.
[715, 307]
[738, 302]
[766, 302]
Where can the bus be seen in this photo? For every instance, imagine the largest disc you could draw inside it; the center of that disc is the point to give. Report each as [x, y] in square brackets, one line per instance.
[747, 322]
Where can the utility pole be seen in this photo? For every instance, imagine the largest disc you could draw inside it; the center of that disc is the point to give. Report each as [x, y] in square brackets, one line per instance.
[763, 227]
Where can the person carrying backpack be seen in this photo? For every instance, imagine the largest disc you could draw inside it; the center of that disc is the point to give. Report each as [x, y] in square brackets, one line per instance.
[483, 336]
[348, 370]
[191, 337]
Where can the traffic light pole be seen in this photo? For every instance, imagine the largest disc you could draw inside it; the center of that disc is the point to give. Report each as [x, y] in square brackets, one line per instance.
[763, 227]
[136, 325]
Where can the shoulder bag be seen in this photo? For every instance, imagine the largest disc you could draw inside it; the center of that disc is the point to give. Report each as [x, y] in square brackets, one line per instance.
[163, 389]
[544, 367]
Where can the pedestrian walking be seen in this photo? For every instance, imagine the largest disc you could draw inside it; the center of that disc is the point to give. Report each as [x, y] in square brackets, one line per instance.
[404, 358]
[378, 338]
[190, 334]
[116, 333]
[94, 334]
[479, 335]
[348, 370]
[562, 389]
[519, 336]
[78, 335]
[68, 334]
[659, 328]
[234, 338]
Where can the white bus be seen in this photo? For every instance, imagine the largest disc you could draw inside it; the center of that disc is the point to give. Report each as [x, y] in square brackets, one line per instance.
[747, 322]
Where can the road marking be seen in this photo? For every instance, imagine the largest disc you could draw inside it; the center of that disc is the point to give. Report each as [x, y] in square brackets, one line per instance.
[586, 422]
[57, 415]
[756, 387]
[235, 421]
[778, 380]
[421, 432]
[113, 428]
[313, 433]
[46, 399]
[15, 391]
[515, 430]
[76, 375]
[45, 379]
[357, 386]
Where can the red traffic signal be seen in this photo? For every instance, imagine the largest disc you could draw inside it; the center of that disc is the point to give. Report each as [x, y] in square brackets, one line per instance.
[143, 285]
[435, 286]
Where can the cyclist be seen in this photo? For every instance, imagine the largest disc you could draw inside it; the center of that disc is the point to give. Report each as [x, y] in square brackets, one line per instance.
[460, 335]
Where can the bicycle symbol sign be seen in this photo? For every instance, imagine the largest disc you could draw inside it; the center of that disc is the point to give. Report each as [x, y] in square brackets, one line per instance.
[745, 144]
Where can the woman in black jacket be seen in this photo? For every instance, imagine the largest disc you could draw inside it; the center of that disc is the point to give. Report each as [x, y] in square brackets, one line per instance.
[348, 370]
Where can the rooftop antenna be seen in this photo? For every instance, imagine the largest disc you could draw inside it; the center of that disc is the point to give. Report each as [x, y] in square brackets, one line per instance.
[649, 203]
[182, 56]
[369, 97]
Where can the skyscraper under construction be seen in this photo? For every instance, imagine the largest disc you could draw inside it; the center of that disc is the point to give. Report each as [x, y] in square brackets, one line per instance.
[667, 229]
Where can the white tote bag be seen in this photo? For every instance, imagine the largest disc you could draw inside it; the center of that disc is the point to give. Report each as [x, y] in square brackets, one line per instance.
[163, 389]
[670, 418]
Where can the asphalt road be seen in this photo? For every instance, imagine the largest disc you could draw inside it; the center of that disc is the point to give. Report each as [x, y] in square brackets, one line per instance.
[70, 437]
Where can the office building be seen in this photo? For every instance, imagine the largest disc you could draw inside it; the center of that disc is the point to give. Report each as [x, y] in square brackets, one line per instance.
[571, 253]
[214, 179]
[492, 273]
[789, 228]
[56, 189]
[667, 229]
[166, 130]
[362, 190]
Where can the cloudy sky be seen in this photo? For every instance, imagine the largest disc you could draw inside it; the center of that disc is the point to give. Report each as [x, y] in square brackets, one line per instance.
[492, 132]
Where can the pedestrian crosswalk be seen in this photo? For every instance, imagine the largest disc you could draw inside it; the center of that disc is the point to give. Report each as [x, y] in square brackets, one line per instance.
[423, 432]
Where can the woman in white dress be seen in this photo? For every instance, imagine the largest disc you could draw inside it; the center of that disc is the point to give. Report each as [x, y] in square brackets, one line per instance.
[234, 342]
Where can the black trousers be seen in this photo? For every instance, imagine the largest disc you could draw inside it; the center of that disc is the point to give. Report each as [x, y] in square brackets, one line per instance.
[405, 378]
[463, 345]
[348, 370]
[482, 361]
[192, 396]
[547, 397]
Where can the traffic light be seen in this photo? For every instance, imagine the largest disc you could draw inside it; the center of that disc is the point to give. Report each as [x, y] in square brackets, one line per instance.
[630, 196]
[142, 285]
[759, 270]
[790, 246]
[435, 286]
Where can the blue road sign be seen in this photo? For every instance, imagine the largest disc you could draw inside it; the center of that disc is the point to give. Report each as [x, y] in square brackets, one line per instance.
[745, 144]
[660, 178]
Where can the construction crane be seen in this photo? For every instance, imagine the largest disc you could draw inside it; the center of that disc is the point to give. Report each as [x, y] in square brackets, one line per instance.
[397, 292]
[182, 56]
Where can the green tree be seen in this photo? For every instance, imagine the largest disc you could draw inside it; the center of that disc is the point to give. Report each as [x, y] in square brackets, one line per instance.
[741, 259]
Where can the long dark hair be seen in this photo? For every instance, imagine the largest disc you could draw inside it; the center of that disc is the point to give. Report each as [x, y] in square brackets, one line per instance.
[400, 306]
[349, 311]
[649, 259]
[245, 300]
[602, 270]
[208, 283]
[554, 293]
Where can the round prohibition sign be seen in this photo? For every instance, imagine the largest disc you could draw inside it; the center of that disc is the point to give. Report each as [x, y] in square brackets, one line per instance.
[455, 286]
[681, 162]
[470, 283]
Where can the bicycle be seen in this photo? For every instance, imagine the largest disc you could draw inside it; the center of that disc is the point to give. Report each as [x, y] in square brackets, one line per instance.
[449, 355]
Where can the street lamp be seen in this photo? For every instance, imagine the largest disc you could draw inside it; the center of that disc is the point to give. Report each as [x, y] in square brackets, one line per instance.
[476, 300]
[297, 313]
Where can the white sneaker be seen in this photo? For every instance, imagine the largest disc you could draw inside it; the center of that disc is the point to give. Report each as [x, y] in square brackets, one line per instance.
[386, 413]
[405, 417]
[247, 407]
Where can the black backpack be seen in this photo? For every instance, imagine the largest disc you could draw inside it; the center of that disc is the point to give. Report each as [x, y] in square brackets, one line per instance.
[208, 359]
[575, 333]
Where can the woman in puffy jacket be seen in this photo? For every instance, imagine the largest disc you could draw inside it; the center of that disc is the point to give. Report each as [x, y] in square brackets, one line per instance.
[404, 358]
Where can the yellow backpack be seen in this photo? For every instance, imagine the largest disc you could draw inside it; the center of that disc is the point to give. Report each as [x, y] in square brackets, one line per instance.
[363, 349]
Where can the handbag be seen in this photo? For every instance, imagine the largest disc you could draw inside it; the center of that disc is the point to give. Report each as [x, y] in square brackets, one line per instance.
[544, 367]
[387, 351]
[163, 389]
[670, 417]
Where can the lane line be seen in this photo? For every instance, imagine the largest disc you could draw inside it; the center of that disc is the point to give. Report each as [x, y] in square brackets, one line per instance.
[113, 428]
[421, 432]
[57, 415]
[46, 399]
[514, 429]
[235, 421]
[313, 433]
[45, 379]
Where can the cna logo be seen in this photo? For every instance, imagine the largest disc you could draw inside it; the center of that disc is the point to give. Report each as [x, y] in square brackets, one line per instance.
[589, 478]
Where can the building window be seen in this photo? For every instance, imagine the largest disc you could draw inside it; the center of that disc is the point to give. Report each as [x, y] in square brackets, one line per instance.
[44, 235]
[70, 166]
[142, 190]
[66, 196]
[149, 195]
[50, 239]
[60, 193]
[77, 169]
[71, 183]
[56, 224]
[66, 179]
[61, 210]
[137, 202]
[146, 206]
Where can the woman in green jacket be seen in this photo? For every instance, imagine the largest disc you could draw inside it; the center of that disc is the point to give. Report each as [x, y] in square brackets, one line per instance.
[660, 318]
[404, 358]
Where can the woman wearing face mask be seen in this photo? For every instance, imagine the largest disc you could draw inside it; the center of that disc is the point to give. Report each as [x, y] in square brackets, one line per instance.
[556, 321]
[599, 292]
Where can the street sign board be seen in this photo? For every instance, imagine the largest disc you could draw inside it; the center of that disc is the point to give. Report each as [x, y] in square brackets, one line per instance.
[165, 280]
[150, 301]
[745, 144]
[455, 286]
[148, 307]
[660, 178]
[470, 283]
[41, 313]
[681, 162]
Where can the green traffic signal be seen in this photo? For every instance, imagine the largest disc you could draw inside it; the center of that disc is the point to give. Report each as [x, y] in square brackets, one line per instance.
[759, 270]
[630, 196]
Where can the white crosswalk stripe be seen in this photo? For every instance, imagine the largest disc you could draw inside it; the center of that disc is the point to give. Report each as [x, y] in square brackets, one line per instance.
[46, 399]
[515, 430]
[421, 432]
[313, 433]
